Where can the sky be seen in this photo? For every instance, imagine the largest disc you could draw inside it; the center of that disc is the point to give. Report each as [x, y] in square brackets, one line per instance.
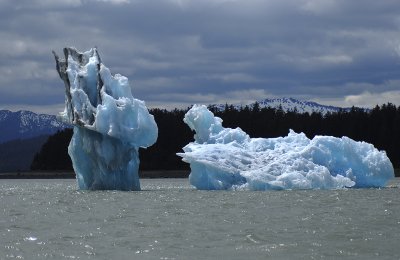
[179, 52]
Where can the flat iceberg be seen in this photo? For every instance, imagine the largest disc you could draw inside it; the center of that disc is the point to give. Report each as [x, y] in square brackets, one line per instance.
[109, 124]
[224, 159]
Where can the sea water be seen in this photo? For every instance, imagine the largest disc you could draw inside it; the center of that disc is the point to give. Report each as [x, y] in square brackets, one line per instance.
[169, 219]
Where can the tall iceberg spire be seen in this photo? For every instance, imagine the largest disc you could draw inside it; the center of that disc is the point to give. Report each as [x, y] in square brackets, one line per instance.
[224, 158]
[109, 123]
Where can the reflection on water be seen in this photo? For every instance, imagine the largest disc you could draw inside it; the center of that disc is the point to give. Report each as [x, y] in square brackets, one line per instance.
[170, 220]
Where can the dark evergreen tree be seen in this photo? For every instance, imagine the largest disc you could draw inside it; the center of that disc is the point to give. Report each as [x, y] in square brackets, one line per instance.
[54, 153]
[379, 126]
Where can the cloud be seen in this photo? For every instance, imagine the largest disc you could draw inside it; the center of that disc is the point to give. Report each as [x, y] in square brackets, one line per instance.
[201, 51]
[367, 99]
[319, 6]
[37, 4]
[40, 109]
[114, 1]
[180, 100]
[366, 95]
[234, 77]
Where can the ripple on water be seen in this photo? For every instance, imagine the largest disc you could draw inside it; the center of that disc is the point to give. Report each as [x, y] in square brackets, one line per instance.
[170, 220]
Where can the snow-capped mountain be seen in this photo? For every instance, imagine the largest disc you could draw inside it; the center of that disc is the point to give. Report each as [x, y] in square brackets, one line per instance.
[26, 124]
[291, 104]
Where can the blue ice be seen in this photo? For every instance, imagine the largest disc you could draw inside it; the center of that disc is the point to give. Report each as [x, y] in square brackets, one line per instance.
[109, 123]
[224, 159]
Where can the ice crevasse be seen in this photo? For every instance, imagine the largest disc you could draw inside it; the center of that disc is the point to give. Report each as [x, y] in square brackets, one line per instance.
[109, 123]
[224, 158]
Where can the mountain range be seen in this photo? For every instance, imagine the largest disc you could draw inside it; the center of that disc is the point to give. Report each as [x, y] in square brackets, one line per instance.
[290, 105]
[22, 135]
[26, 124]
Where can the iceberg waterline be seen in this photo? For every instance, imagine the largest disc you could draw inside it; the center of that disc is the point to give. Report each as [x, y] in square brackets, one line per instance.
[224, 158]
[109, 123]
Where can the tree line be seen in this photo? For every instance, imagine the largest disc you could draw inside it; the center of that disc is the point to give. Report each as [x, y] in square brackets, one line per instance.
[379, 126]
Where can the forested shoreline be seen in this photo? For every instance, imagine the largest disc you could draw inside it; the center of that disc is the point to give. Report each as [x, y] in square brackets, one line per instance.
[379, 126]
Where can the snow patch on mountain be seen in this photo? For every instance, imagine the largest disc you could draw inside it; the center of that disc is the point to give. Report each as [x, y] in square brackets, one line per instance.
[289, 105]
[26, 124]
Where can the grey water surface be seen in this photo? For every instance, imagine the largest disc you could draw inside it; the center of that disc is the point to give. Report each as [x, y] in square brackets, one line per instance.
[51, 219]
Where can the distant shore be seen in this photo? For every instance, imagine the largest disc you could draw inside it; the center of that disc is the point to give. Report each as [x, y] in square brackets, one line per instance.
[71, 174]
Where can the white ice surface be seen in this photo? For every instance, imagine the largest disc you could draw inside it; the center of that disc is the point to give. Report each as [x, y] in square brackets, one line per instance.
[224, 158]
[109, 125]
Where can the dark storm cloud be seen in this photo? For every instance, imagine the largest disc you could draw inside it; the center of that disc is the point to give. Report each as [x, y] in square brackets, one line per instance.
[178, 52]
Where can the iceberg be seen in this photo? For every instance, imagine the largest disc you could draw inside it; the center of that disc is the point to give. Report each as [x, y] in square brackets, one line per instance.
[226, 159]
[109, 124]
